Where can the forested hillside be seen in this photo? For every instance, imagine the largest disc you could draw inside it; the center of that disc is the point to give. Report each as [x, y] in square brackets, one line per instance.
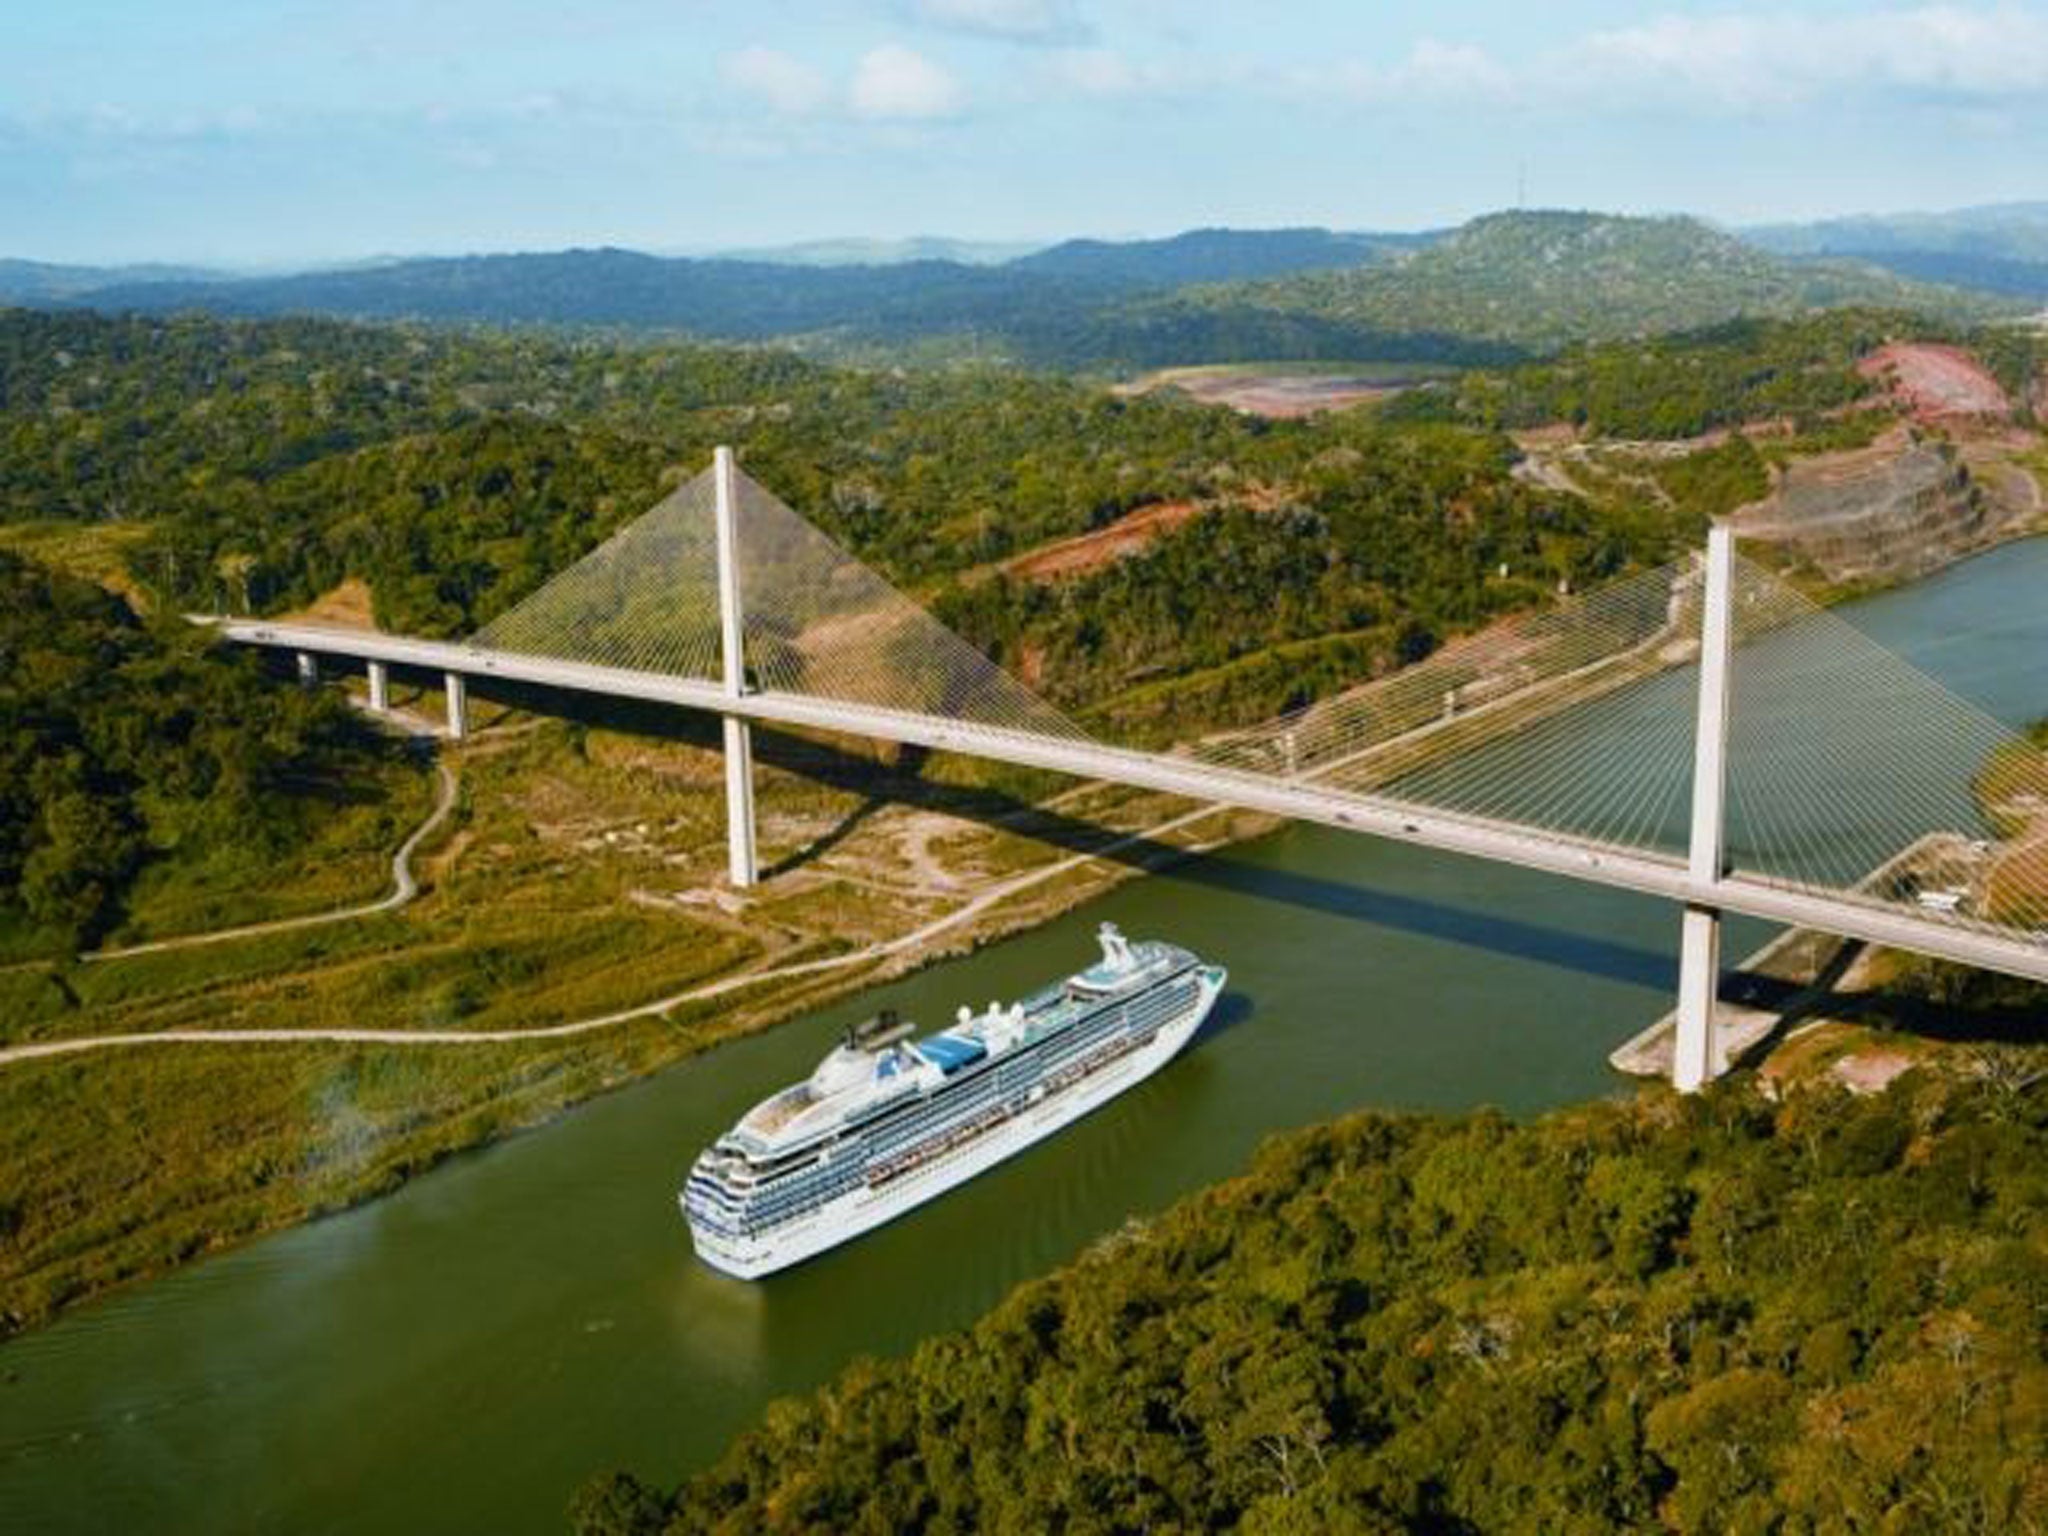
[269, 461]
[455, 473]
[1740, 372]
[1719, 1315]
[118, 745]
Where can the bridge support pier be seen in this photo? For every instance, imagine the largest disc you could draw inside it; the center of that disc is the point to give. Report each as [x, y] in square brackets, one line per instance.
[740, 859]
[457, 689]
[380, 687]
[309, 669]
[1695, 1061]
[1695, 1055]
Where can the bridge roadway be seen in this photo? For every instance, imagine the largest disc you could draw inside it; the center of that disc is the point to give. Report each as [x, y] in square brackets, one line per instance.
[1377, 815]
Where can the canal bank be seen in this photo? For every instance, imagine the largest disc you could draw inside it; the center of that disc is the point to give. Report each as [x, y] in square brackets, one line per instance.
[462, 1354]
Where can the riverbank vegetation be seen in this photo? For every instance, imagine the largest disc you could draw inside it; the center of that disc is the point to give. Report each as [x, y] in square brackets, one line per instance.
[1708, 1315]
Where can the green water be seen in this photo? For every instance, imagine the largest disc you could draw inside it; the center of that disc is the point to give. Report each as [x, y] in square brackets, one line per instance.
[459, 1356]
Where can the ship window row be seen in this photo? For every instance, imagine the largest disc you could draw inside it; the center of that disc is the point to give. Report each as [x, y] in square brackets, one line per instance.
[903, 1110]
[787, 1204]
[934, 1126]
[915, 1112]
[940, 1116]
[934, 1113]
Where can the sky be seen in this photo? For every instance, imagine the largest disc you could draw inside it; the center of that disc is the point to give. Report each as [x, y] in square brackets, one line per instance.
[278, 132]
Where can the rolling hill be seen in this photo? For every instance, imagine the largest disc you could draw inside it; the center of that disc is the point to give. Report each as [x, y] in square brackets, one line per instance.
[2014, 231]
[2002, 248]
[1540, 280]
[43, 282]
[732, 300]
[1214, 255]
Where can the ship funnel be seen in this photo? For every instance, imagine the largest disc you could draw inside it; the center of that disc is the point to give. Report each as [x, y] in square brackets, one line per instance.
[1116, 949]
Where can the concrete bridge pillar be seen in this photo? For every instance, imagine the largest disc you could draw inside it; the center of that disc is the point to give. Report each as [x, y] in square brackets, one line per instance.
[457, 689]
[380, 687]
[309, 669]
[1695, 1058]
[742, 864]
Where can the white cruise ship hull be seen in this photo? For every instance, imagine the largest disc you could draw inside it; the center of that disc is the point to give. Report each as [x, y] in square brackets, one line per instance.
[866, 1208]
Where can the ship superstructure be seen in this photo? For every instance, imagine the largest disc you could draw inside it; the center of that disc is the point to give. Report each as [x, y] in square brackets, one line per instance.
[887, 1121]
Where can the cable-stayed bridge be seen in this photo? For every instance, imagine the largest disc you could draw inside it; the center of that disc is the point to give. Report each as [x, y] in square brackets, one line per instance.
[1700, 732]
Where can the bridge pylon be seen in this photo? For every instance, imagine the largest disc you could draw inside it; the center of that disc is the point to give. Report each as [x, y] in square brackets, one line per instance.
[1695, 1058]
[741, 860]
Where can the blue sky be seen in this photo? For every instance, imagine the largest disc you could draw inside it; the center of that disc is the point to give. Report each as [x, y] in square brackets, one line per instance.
[277, 131]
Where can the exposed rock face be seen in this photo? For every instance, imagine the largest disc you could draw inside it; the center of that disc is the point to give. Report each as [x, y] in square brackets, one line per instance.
[1895, 510]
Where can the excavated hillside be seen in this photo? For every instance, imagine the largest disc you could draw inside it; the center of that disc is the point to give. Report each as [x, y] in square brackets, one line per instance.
[1907, 504]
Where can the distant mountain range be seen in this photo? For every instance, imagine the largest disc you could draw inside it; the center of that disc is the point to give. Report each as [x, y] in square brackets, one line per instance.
[2002, 248]
[1501, 286]
[855, 252]
[1215, 255]
[39, 282]
[2015, 231]
[1053, 306]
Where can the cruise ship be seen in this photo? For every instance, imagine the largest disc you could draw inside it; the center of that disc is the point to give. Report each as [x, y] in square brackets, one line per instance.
[888, 1121]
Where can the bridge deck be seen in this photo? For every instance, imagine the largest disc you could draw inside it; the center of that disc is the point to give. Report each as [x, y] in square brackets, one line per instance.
[1297, 799]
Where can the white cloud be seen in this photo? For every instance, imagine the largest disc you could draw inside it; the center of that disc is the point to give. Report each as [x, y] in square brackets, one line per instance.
[1108, 74]
[1027, 21]
[787, 85]
[893, 82]
[1955, 51]
[1095, 72]
[1960, 55]
[1432, 71]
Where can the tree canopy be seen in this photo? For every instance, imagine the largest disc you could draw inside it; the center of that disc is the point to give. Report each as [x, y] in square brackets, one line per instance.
[118, 743]
[1711, 1315]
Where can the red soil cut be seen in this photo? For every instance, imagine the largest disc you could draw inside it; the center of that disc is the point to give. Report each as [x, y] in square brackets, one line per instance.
[1091, 551]
[1938, 383]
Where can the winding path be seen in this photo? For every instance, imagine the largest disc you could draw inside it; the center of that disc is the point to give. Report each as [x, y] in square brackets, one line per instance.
[966, 912]
[404, 887]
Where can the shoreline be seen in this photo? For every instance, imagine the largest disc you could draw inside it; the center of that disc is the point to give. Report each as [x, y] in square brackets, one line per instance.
[1009, 906]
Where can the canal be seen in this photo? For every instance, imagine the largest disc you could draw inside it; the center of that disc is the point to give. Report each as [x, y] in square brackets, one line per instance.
[462, 1354]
